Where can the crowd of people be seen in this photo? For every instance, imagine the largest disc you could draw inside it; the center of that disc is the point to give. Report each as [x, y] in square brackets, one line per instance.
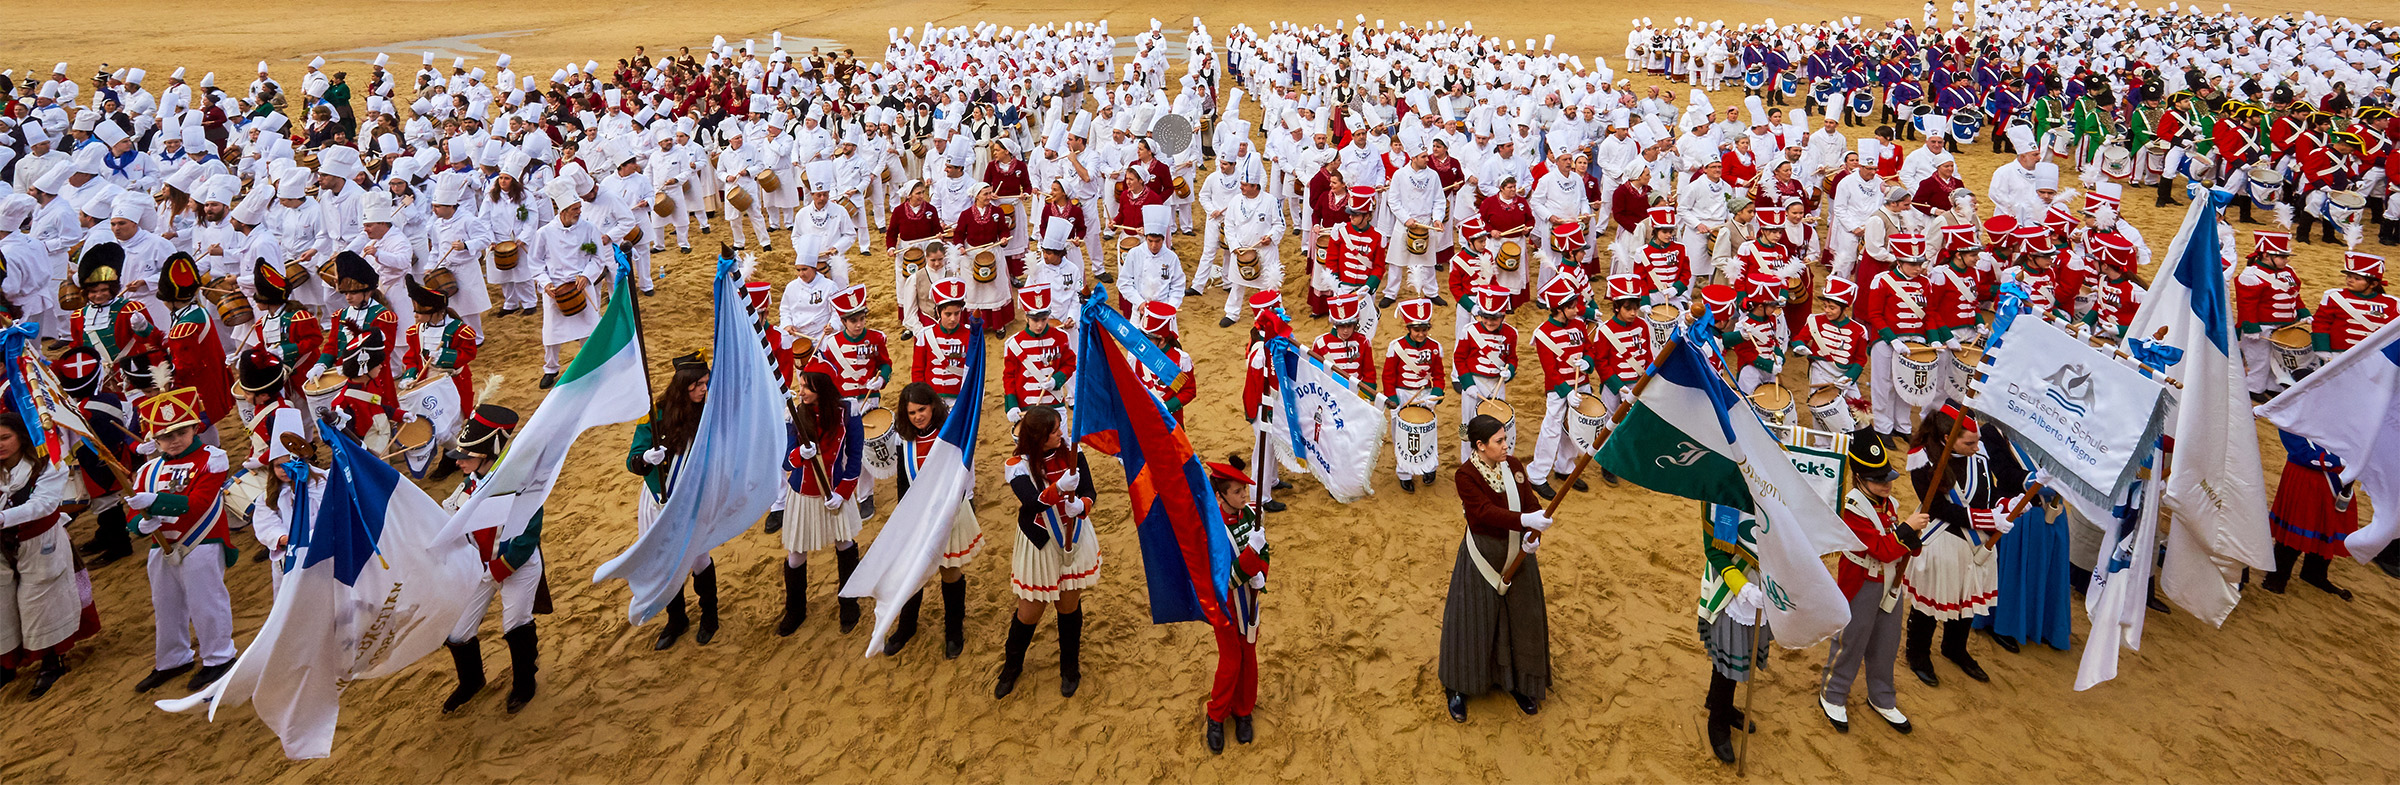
[187, 252]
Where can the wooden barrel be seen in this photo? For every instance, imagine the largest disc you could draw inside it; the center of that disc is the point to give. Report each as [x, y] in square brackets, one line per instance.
[504, 254]
[442, 280]
[660, 204]
[233, 310]
[767, 181]
[569, 298]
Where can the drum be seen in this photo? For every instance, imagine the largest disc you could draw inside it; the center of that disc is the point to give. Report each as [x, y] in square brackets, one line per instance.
[2116, 161]
[233, 310]
[2294, 351]
[1245, 262]
[327, 273]
[986, 262]
[1324, 243]
[1754, 78]
[70, 296]
[881, 443]
[1511, 256]
[2156, 153]
[1008, 207]
[802, 347]
[1585, 422]
[442, 280]
[1183, 188]
[2200, 167]
[1500, 410]
[1862, 103]
[769, 181]
[1966, 124]
[1126, 243]
[1789, 85]
[2061, 142]
[1962, 371]
[2266, 184]
[322, 389]
[569, 298]
[1420, 240]
[242, 491]
[1415, 446]
[633, 236]
[1774, 403]
[1829, 410]
[504, 254]
[1919, 116]
[1662, 319]
[2343, 206]
[1916, 373]
[739, 199]
[912, 259]
[413, 435]
[661, 205]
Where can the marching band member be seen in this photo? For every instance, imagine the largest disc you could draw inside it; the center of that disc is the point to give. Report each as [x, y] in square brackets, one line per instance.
[1754, 348]
[174, 500]
[827, 221]
[2266, 298]
[1836, 347]
[512, 570]
[657, 453]
[855, 355]
[1870, 577]
[1567, 363]
[1037, 363]
[1486, 357]
[1895, 312]
[194, 348]
[1415, 200]
[1343, 348]
[1496, 630]
[807, 309]
[819, 509]
[940, 359]
[982, 227]
[1262, 398]
[566, 262]
[1157, 321]
[1057, 555]
[1956, 578]
[1215, 197]
[737, 169]
[461, 239]
[117, 326]
[1249, 217]
[511, 214]
[912, 225]
[919, 425]
[1152, 272]
[2349, 314]
[1414, 375]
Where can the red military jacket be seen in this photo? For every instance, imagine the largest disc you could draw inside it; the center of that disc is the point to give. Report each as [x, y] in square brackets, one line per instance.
[1351, 357]
[861, 366]
[1895, 306]
[188, 507]
[941, 358]
[1035, 367]
[1486, 354]
[2265, 299]
[1621, 353]
[2343, 319]
[1564, 354]
[1409, 365]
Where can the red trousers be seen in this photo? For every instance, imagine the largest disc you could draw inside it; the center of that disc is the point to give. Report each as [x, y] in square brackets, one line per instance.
[1236, 689]
[996, 319]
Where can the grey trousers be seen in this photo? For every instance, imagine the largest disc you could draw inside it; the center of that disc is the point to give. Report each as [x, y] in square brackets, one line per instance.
[1873, 639]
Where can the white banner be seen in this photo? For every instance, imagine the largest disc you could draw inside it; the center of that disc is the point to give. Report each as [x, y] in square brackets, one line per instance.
[1340, 433]
[2083, 416]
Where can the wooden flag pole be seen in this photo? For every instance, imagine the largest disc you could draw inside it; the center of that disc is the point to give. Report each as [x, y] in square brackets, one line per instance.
[1614, 416]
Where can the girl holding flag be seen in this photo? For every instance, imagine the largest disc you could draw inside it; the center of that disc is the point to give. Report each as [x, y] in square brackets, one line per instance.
[656, 454]
[41, 610]
[1496, 631]
[818, 509]
[922, 414]
[1234, 692]
[1957, 575]
[1057, 555]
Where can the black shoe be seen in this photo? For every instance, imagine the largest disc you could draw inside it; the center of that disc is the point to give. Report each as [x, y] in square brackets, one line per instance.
[649, 292]
[677, 623]
[1526, 704]
[1216, 737]
[1408, 484]
[2158, 605]
[774, 522]
[1070, 653]
[2390, 568]
[1924, 671]
[684, 248]
[1720, 741]
[53, 667]
[1458, 707]
[549, 379]
[1429, 479]
[1383, 303]
[2327, 587]
[1281, 485]
[1225, 322]
[1580, 484]
[158, 677]
[106, 559]
[845, 560]
[1968, 666]
[2006, 643]
[1273, 506]
[208, 674]
[1609, 477]
[704, 227]
[795, 600]
[906, 628]
[468, 656]
[523, 662]
[1242, 730]
[1108, 277]
[1438, 303]
[1545, 490]
[1190, 292]
[766, 248]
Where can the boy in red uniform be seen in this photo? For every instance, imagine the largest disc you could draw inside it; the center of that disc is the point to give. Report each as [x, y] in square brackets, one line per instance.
[2266, 297]
[195, 354]
[1566, 363]
[438, 343]
[1754, 349]
[1894, 312]
[2117, 298]
[1157, 320]
[2350, 314]
[1486, 358]
[1262, 396]
[1665, 268]
[860, 364]
[1234, 691]
[1836, 348]
[175, 503]
[1344, 349]
[1037, 364]
[941, 355]
[1413, 375]
[1356, 256]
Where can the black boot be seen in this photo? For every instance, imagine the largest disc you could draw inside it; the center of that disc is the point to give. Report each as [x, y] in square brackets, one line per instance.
[2166, 195]
[1721, 718]
[677, 622]
[53, 667]
[2312, 572]
[1954, 648]
[2388, 233]
[2285, 557]
[2333, 233]
[704, 583]
[1020, 635]
[954, 618]
[1070, 653]
[468, 656]
[906, 627]
[2244, 202]
[2304, 226]
[1919, 648]
[523, 660]
[844, 561]
[774, 522]
[2389, 562]
[1214, 735]
[795, 599]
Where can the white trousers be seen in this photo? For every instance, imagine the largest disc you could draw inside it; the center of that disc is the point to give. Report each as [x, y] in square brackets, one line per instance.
[1209, 271]
[2258, 363]
[1891, 414]
[190, 598]
[516, 600]
[1552, 449]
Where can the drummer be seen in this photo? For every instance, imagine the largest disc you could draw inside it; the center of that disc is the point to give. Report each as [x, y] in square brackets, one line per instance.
[1344, 349]
[1894, 313]
[437, 344]
[1836, 348]
[1037, 363]
[259, 380]
[1559, 342]
[195, 352]
[1486, 358]
[2266, 298]
[367, 321]
[1754, 348]
[1665, 266]
[1414, 375]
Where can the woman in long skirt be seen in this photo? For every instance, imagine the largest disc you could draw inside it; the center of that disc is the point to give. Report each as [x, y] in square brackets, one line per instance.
[921, 416]
[42, 610]
[2313, 511]
[1496, 633]
[657, 454]
[818, 510]
[2035, 604]
[1957, 576]
[1057, 556]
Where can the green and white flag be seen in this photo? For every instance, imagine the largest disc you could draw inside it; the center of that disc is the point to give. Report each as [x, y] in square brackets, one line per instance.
[606, 384]
[1689, 435]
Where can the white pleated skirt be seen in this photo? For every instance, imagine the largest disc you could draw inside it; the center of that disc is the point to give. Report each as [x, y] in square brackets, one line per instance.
[1953, 579]
[808, 526]
[966, 538]
[1039, 574]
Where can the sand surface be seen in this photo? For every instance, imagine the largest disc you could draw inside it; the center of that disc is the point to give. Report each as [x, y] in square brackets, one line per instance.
[2288, 690]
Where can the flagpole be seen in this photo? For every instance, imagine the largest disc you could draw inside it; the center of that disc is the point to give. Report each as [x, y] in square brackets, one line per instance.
[640, 334]
[1614, 418]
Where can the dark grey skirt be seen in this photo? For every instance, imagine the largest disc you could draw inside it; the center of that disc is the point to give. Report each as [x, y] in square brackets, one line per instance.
[1731, 646]
[1490, 642]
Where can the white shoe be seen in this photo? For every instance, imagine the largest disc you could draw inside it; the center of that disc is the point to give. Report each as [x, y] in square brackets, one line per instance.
[1891, 715]
[1839, 714]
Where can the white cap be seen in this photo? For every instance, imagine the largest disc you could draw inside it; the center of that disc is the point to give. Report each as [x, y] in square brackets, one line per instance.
[1057, 232]
[1158, 219]
[2022, 137]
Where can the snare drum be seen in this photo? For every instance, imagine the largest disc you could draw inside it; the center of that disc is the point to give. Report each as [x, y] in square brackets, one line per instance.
[1511, 255]
[1245, 262]
[1916, 373]
[2295, 351]
[661, 205]
[233, 310]
[986, 262]
[1662, 319]
[2116, 161]
[1829, 410]
[442, 281]
[1586, 421]
[413, 435]
[1500, 410]
[322, 389]
[881, 443]
[243, 490]
[568, 297]
[1420, 240]
[1126, 243]
[1774, 403]
[1416, 448]
[70, 296]
[1962, 371]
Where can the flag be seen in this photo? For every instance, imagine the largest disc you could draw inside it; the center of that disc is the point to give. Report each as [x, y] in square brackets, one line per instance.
[54, 420]
[2118, 598]
[907, 551]
[2214, 491]
[2087, 420]
[1337, 431]
[606, 384]
[1186, 551]
[1688, 434]
[2347, 408]
[370, 586]
[732, 470]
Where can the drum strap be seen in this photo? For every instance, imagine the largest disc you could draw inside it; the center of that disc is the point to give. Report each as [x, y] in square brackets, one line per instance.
[2351, 307]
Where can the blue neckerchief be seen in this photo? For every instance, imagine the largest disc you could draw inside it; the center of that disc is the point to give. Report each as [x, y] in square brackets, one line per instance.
[117, 162]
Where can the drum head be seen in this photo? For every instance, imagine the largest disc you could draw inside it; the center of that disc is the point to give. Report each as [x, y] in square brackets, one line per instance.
[1824, 394]
[1664, 313]
[1771, 397]
[876, 422]
[2293, 336]
[326, 382]
[1591, 406]
[803, 345]
[1967, 356]
[1921, 353]
[1497, 409]
[1415, 415]
[414, 434]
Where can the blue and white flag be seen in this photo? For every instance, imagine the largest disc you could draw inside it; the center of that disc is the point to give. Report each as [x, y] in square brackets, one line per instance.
[909, 549]
[1338, 432]
[2087, 420]
[2215, 491]
[2118, 599]
[370, 587]
[2347, 407]
[732, 470]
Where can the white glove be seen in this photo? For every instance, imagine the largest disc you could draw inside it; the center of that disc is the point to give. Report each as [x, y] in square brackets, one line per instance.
[2006, 525]
[251, 463]
[1986, 519]
[833, 502]
[808, 451]
[216, 460]
[1954, 343]
[341, 418]
[1067, 483]
[1015, 414]
[141, 501]
[1258, 540]
[1536, 520]
[149, 524]
[654, 456]
[147, 447]
[1258, 581]
[1574, 398]
[1531, 544]
[1746, 604]
[1073, 507]
[1508, 373]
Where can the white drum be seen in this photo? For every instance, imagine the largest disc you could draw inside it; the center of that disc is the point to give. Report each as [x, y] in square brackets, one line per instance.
[1499, 410]
[1662, 320]
[438, 415]
[242, 490]
[881, 443]
[1585, 422]
[1916, 373]
[1416, 445]
[1775, 403]
[322, 390]
[1962, 371]
[1829, 409]
[2294, 351]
